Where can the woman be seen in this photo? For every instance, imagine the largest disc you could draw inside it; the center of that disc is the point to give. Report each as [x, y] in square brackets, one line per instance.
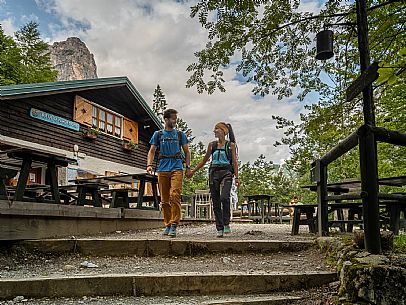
[223, 168]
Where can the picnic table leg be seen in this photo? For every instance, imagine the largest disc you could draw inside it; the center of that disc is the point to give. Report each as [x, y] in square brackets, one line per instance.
[126, 201]
[351, 216]
[113, 203]
[96, 198]
[296, 220]
[3, 190]
[141, 193]
[82, 195]
[53, 182]
[155, 194]
[395, 218]
[340, 216]
[23, 179]
[310, 219]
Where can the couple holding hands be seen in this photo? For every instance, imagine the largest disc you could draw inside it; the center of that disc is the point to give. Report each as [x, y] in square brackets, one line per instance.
[223, 169]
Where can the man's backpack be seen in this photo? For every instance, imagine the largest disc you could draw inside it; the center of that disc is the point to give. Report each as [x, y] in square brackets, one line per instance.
[178, 155]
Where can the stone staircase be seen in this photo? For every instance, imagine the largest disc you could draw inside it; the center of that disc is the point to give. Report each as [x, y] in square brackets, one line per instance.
[145, 268]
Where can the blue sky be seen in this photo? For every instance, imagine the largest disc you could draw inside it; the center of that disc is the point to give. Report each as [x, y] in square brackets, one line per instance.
[152, 42]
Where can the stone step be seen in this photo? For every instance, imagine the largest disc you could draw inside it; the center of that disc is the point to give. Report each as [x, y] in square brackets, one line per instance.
[154, 284]
[154, 247]
[262, 300]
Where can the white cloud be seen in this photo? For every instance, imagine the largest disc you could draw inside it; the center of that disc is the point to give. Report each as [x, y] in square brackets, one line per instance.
[152, 42]
[8, 26]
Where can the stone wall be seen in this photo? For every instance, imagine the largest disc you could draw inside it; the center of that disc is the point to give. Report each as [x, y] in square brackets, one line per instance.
[367, 278]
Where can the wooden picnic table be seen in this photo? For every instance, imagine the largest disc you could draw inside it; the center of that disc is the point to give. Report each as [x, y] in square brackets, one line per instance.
[25, 158]
[350, 190]
[118, 193]
[260, 204]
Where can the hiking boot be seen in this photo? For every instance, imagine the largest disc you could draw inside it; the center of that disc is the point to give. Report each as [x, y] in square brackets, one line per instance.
[220, 233]
[166, 231]
[227, 229]
[172, 231]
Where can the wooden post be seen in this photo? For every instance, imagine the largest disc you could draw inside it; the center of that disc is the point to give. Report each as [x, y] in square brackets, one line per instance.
[369, 185]
[23, 179]
[322, 210]
[367, 143]
[53, 182]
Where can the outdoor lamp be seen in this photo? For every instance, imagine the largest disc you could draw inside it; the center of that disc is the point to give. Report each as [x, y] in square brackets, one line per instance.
[75, 149]
[324, 45]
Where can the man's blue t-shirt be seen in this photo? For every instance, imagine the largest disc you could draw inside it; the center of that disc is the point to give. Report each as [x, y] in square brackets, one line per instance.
[169, 146]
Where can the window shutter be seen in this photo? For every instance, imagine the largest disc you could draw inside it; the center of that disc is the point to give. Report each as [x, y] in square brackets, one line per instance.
[130, 131]
[83, 111]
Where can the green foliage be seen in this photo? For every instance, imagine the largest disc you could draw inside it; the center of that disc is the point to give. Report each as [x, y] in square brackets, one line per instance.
[399, 243]
[274, 41]
[159, 103]
[92, 131]
[183, 126]
[10, 58]
[200, 180]
[130, 144]
[26, 59]
[36, 63]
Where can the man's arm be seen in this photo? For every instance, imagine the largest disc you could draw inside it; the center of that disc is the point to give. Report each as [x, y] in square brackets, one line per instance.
[150, 158]
[186, 150]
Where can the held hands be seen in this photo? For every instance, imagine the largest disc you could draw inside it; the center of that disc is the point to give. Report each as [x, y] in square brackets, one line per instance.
[237, 182]
[189, 173]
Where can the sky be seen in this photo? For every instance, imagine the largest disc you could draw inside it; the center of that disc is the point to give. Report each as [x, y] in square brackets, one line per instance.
[152, 42]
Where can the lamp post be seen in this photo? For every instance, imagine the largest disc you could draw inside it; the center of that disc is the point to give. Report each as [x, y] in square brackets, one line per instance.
[366, 138]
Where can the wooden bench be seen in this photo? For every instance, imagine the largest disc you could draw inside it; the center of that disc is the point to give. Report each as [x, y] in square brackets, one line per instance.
[119, 196]
[308, 210]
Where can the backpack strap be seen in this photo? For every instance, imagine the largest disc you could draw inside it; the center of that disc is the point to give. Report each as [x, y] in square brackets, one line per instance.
[178, 155]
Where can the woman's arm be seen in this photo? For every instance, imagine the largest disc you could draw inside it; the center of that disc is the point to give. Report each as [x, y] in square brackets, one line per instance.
[203, 161]
[235, 163]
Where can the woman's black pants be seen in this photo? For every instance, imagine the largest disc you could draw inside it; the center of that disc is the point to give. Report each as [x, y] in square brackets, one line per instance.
[220, 186]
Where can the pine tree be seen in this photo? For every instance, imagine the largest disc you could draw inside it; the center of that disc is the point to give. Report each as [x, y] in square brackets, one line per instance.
[36, 62]
[183, 126]
[159, 103]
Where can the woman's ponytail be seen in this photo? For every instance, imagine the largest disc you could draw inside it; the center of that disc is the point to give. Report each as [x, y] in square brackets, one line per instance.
[231, 133]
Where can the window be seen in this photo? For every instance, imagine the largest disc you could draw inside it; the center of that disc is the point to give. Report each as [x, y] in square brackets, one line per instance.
[106, 121]
[117, 131]
[94, 117]
[110, 123]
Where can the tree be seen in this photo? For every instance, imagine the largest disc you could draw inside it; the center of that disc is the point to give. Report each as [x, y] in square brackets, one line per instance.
[274, 39]
[159, 103]
[200, 180]
[183, 126]
[10, 60]
[36, 64]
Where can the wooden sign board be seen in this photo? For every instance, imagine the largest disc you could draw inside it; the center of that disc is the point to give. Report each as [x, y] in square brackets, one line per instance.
[366, 78]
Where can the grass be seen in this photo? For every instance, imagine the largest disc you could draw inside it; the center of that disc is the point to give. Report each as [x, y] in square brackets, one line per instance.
[399, 243]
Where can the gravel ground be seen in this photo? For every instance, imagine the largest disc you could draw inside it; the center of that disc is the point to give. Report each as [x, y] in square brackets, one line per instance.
[25, 265]
[17, 263]
[241, 231]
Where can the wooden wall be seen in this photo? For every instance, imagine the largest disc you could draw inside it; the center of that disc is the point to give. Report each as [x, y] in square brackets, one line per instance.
[16, 122]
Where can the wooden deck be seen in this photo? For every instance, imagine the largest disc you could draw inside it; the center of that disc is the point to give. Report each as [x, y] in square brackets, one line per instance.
[32, 220]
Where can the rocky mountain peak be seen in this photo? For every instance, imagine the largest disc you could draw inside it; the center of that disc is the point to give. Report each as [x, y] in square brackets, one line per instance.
[72, 59]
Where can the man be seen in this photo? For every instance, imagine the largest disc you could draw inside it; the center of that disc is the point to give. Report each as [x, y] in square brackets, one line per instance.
[170, 142]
